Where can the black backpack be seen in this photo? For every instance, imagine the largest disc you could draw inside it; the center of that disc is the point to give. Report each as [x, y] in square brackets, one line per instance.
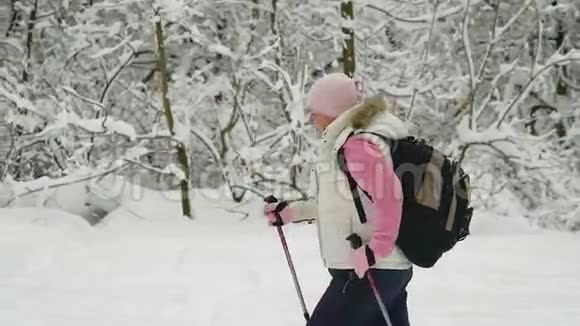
[436, 190]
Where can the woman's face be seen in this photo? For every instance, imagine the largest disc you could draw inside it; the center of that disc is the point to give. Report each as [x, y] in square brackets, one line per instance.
[320, 121]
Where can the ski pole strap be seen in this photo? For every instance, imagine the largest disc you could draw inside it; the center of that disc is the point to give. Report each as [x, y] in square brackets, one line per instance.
[352, 186]
[280, 207]
[356, 242]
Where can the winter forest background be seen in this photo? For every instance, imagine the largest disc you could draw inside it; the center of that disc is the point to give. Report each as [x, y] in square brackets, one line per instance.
[496, 84]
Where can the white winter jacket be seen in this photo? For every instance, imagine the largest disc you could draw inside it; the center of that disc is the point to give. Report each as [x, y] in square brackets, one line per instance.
[334, 209]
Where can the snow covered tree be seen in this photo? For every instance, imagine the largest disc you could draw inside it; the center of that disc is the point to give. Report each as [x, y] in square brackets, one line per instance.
[495, 84]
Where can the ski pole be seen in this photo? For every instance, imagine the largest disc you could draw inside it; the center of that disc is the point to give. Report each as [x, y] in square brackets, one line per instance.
[380, 302]
[355, 243]
[272, 199]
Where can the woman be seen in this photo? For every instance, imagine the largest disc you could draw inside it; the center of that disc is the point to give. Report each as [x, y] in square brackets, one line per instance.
[351, 123]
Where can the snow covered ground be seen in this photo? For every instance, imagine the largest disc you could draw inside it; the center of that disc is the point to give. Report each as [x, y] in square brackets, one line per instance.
[145, 266]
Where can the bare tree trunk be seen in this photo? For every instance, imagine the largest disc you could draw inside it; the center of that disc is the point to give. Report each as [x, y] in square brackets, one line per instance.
[562, 89]
[294, 170]
[29, 35]
[13, 17]
[255, 13]
[7, 150]
[224, 133]
[348, 54]
[277, 53]
[180, 147]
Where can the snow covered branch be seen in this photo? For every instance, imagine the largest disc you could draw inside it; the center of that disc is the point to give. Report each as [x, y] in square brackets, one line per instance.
[50, 184]
[425, 57]
[217, 88]
[425, 20]
[555, 61]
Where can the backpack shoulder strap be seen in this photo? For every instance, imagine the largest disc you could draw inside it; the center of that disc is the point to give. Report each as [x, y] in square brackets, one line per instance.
[352, 185]
[387, 140]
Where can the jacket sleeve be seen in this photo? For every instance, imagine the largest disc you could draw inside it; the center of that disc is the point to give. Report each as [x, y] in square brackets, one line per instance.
[372, 169]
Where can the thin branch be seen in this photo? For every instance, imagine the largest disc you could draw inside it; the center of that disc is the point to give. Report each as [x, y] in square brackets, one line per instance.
[245, 215]
[24, 103]
[470, 65]
[238, 106]
[149, 168]
[136, 95]
[314, 38]
[513, 19]
[502, 154]
[490, 45]
[170, 138]
[45, 15]
[526, 88]
[540, 40]
[105, 90]
[386, 23]
[476, 82]
[83, 98]
[21, 145]
[569, 83]
[404, 92]
[304, 220]
[426, 51]
[206, 142]
[490, 94]
[263, 179]
[74, 56]
[13, 45]
[244, 188]
[422, 20]
[103, 69]
[281, 131]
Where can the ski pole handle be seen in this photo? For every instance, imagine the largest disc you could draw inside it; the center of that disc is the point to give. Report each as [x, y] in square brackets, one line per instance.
[271, 200]
[355, 241]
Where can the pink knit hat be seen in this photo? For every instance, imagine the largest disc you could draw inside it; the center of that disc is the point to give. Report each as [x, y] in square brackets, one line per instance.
[333, 94]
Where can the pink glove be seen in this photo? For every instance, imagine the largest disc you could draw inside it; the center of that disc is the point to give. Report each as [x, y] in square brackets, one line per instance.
[362, 259]
[284, 210]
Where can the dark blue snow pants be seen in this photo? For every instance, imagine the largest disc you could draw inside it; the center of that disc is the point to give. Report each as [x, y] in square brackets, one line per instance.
[349, 301]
